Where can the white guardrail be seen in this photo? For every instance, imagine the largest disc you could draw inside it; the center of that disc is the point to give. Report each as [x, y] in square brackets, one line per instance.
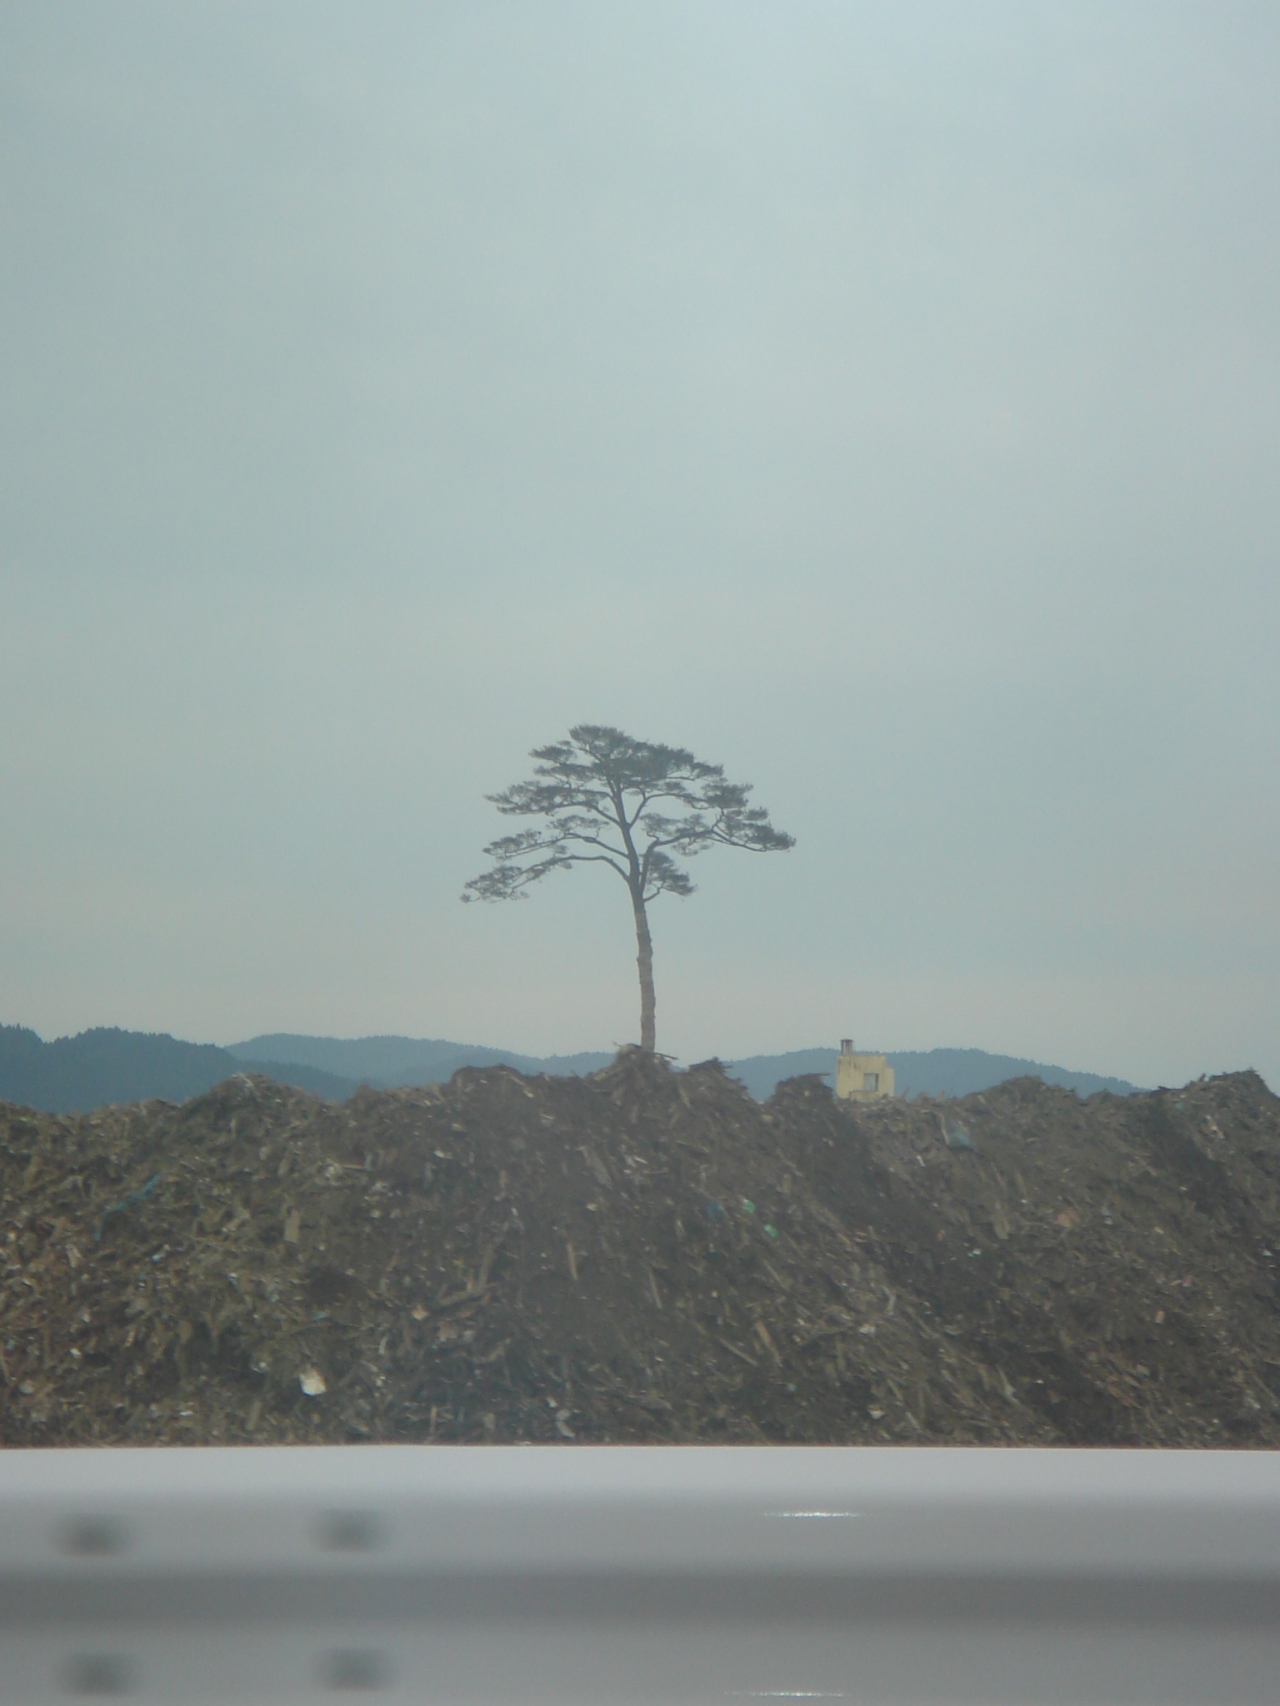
[639, 1575]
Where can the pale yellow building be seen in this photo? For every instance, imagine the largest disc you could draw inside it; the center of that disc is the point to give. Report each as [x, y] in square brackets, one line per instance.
[862, 1077]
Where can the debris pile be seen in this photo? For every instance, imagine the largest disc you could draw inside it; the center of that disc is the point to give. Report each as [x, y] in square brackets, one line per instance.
[644, 1255]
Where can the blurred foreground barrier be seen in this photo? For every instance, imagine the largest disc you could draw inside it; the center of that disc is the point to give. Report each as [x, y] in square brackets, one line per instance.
[635, 1574]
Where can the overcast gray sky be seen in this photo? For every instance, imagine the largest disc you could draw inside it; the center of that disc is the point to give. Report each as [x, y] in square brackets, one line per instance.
[881, 401]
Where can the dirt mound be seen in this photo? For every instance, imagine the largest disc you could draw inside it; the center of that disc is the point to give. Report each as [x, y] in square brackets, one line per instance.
[644, 1255]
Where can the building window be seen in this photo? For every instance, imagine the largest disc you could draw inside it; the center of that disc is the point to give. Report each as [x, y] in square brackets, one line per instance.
[870, 1080]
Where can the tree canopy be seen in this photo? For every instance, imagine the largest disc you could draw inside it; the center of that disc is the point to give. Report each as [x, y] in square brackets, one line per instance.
[644, 810]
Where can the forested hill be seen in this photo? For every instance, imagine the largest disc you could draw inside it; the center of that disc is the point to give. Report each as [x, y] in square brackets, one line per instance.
[391, 1062]
[387, 1063]
[108, 1066]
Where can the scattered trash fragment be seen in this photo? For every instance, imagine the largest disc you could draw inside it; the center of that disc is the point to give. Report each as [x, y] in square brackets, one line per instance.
[312, 1382]
[762, 1333]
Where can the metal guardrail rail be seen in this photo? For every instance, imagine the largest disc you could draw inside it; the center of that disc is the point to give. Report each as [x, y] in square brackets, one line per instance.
[639, 1575]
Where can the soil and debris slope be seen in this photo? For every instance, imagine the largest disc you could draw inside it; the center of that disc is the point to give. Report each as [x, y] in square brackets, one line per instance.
[644, 1255]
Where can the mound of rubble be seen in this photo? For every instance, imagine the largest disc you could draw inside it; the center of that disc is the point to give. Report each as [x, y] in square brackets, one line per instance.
[644, 1255]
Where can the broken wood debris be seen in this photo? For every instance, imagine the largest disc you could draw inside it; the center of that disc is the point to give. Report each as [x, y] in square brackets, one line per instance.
[643, 1254]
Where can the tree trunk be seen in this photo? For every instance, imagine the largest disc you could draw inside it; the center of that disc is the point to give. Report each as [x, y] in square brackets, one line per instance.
[644, 960]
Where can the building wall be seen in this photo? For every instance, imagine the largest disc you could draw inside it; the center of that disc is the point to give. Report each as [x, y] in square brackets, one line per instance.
[863, 1077]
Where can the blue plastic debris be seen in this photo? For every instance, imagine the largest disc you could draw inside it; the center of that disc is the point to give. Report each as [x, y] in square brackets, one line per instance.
[957, 1137]
[137, 1196]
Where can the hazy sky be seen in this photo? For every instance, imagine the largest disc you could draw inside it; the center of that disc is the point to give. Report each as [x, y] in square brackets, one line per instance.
[882, 401]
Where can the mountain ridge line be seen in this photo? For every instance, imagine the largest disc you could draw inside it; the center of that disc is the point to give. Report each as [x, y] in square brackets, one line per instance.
[107, 1066]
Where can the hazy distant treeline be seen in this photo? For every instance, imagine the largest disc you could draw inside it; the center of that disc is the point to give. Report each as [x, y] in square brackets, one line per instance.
[105, 1066]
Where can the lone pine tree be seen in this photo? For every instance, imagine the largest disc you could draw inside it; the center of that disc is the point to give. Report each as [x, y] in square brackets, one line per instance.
[639, 809]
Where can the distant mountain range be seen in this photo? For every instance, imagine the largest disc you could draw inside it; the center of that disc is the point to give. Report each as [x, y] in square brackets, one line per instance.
[387, 1063]
[107, 1066]
[104, 1066]
[929, 1072]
